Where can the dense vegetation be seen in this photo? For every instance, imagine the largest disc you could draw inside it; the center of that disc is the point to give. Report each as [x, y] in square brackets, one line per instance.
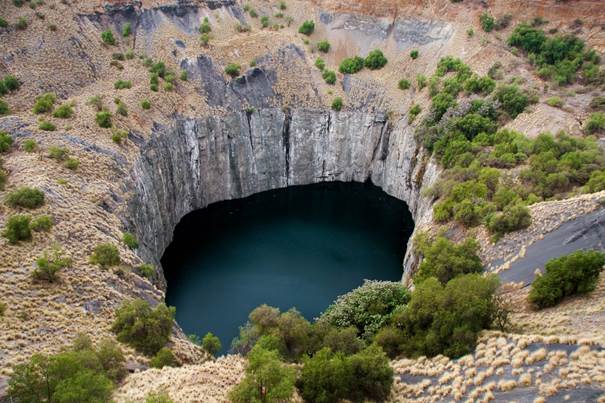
[81, 373]
[576, 273]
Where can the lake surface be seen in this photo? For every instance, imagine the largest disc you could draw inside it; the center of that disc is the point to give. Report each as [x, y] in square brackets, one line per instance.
[296, 247]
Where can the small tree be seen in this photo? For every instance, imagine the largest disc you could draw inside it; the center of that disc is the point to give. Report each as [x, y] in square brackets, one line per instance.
[375, 60]
[105, 255]
[211, 343]
[147, 330]
[267, 379]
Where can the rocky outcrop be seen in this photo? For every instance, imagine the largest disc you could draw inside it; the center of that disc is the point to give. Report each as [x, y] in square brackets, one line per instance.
[194, 162]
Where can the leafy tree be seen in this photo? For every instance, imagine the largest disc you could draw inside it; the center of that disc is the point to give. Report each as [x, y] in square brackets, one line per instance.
[375, 60]
[513, 100]
[372, 374]
[25, 197]
[105, 255]
[307, 27]
[211, 343]
[576, 273]
[351, 65]
[147, 330]
[326, 377]
[444, 259]
[267, 379]
[514, 217]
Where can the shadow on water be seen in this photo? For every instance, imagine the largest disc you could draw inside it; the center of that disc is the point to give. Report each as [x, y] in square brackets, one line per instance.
[296, 247]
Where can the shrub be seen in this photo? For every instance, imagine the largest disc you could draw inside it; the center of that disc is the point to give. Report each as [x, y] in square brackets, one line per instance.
[576, 273]
[121, 108]
[184, 76]
[46, 126]
[323, 46]
[4, 109]
[367, 308]
[6, 141]
[58, 153]
[17, 229]
[64, 111]
[595, 123]
[21, 23]
[158, 397]
[446, 319]
[329, 77]
[205, 28]
[555, 102]
[337, 104]
[480, 85]
[164, 358]
[372, 375]
[145, 104]
[108, 38]
[126, 30]
[514, 217]
[130, 240]
[3, 23]
[351, 65]
[413, 112]
[8, 84]
[49, 265]
[513, 100]
[503, 22]
[403, 84]
[211, 343]
[72, 163]
[376, 60]
[487, 22]
[320, 64]
[25, 197]
[325, 377]
[267, 379]
[233, 69]
[29, 145]
[103, 119]
[105, 255]
[596, 183]
[145, 329]
[444, 260]
[122, 84]
[42, 223]
[414, 54]
[2, 309]
[44, 103]
[307, 27]
[75, 375]
[146, 270]
[96, 102]
[264, 21]
[118, 135]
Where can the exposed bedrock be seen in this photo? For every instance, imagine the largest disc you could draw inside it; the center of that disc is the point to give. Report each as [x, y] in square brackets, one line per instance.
[194, 162]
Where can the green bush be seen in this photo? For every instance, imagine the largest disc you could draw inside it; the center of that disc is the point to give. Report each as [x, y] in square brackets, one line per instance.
[414, 54]
[514, 217]
[163, 358]
[337, 104]
[122, 84]
[413, 112]
[446, 319]
[307, 27]
[145, 104]
[46, 126]
[2, 309]
[264, 21]
[126, 30]
[8, 84]
[78, 374]
[266, 380]
[595, 123]
[49, 265]
[72, 163]
[480, 85]
[329, 77]
[4, 108]
[145, 329]
[21, 23]
[58, 153]
[29, 145]
[233, 69]
[576, 273]
[42, 223]
[376, 60]
[158, 397]
[444, 259]
[25, 197]
[211, 343]
[105, 255]
[487, 22]
[513, 100]
[6, 142]
[205, 28]
[403, 84]
[146, 270]
[103, 119]
[108, 38]
[596, 183]
[3, 23]
[44, 103]
[321, 64]
[366, 308]
[64, 111]
[323, 46]
[130, 240]
[555, 102]
[351, 65]
[17, 228]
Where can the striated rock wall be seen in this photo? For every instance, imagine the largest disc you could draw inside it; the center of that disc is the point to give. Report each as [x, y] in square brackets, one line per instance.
[194, 162]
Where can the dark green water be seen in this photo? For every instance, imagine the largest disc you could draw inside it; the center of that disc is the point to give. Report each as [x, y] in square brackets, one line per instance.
[297, 247]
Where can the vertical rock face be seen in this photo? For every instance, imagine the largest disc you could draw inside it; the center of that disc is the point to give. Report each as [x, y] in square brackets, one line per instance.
[195, 162]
